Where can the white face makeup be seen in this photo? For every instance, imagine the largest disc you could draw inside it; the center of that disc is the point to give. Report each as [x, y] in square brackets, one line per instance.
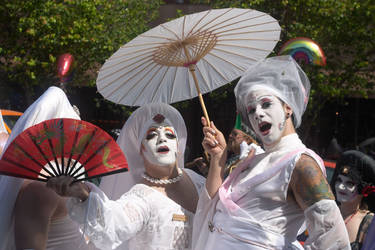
[266, 115]
[346, 189]
[160, 145]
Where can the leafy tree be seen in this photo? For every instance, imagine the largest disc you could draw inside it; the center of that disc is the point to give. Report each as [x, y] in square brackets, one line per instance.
[34, 33]
[345, 31]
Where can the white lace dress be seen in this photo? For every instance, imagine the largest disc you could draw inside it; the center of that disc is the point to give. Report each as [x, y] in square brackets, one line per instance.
[142, 218]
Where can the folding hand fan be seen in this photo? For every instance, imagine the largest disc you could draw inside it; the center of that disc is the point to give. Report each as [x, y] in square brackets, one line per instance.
[63, 147]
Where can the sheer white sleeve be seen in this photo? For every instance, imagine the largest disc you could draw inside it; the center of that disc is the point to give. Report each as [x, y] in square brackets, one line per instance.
[326, 227]
[109, 223]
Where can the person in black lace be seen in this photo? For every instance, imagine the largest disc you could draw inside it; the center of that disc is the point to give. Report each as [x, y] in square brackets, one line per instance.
[353, 183]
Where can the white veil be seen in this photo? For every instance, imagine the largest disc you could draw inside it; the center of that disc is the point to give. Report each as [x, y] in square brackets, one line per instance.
[52, 104]
[130, 139]
[2, 126]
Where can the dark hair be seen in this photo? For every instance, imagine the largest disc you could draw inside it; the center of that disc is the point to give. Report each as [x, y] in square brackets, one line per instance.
[361, 169]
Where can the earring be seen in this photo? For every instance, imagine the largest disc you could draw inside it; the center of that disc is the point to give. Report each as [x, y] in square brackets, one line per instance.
[287, 115]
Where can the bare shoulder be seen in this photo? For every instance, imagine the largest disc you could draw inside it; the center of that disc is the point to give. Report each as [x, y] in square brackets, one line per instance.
[308, 183]
[37, 194]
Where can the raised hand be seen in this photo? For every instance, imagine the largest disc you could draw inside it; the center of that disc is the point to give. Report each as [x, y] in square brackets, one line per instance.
[64, 186]
[213, 142]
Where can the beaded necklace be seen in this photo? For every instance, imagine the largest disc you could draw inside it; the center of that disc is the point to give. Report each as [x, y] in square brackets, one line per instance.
[164, 182]
[350, 217]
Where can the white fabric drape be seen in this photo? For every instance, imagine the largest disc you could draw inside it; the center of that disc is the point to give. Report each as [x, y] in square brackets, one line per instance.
[130, 142]
[52, 104]
[2, 126]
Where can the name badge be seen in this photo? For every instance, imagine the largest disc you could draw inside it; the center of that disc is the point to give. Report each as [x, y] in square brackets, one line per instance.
[179, 217]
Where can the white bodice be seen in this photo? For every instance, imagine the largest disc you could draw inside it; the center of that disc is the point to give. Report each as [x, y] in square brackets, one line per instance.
[142, 218]
[262, 211]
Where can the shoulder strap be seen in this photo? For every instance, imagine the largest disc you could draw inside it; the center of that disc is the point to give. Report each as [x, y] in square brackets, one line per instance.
[362, 230]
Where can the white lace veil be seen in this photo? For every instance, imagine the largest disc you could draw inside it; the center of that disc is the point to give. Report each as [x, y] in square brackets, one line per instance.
[280, 75]
[130, 139]
[52, 104]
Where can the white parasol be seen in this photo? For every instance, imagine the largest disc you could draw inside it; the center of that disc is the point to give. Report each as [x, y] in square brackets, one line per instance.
[216, 46]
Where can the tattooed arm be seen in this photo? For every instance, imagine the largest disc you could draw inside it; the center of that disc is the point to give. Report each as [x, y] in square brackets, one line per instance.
[323, 218]
[308, 183]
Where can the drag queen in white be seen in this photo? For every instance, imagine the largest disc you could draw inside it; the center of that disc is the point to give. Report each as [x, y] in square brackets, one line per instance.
[31, 215]
[157, 212]
[267, 199]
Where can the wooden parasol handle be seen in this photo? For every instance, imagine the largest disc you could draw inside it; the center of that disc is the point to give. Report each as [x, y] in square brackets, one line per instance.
[192, 71]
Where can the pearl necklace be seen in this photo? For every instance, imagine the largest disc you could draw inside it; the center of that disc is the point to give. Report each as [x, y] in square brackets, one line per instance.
[164, 182]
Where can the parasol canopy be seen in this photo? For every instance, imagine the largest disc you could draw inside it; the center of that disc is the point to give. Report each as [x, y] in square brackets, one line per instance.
[188, 56]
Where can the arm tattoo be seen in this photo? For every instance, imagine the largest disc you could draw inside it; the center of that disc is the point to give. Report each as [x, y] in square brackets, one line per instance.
[309, 184]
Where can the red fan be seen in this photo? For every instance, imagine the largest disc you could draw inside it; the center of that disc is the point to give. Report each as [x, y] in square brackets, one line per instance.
[63, 147]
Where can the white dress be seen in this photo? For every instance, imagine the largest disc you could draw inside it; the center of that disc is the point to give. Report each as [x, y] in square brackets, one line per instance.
[254, 212]
[64, 234]
[142, 218]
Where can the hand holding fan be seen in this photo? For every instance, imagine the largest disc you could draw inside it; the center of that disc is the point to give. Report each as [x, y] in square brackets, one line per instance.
[63, 147]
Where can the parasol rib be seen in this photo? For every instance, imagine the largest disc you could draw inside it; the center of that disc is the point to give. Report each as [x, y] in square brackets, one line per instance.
[231, 53]
[134, 84]
[205, 81]
[158, 37]
[247, 39]
[216, 27]
[174, 80]
[243, 47]
[248, 32]
[198, 22]
[160, 82]
[122, 76]
[122, 68]
[140, 92]
[130, 58]
[210, 21]
[232, 64]
[171, 31]
[243, 27]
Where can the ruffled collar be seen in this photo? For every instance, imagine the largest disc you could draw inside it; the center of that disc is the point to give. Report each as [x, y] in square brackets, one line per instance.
[286, 143]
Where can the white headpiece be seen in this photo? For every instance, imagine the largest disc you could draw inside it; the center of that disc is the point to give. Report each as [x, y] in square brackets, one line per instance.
[2, 126]
[282, 77]
[130, 140]
[52, 104]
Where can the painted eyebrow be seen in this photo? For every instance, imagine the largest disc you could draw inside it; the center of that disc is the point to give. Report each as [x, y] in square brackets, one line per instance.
[169, 129]
[152, 129]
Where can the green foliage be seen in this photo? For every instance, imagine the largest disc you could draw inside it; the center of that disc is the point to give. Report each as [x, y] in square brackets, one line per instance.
[36, 32]
[344, 29]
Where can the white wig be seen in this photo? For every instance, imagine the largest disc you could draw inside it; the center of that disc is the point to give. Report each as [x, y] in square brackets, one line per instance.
[52, 104]
[282, 77]
[130, 139]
